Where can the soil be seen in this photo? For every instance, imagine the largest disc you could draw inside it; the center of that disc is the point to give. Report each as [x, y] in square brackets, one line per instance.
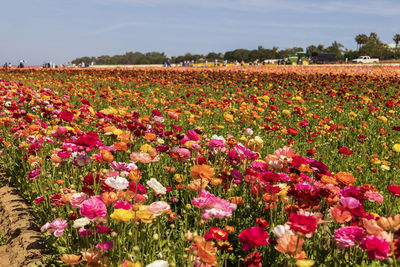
[23, 238]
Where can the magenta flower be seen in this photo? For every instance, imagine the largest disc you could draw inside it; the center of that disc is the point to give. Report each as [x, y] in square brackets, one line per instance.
[93, 208]
[105, 246]
[377, 247]
[213, 207]
[33, 174]
[348, 236]
[122, 205]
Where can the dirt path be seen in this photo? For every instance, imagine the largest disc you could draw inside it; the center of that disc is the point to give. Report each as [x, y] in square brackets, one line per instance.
[24, 245]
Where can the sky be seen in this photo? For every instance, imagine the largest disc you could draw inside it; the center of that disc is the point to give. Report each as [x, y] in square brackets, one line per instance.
[39, 31]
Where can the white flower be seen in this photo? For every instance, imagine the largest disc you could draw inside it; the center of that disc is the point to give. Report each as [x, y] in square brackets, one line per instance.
[248, 132]
[156, 186]
[158, 263]
[281, 230]
[119, 183]
[81, 222]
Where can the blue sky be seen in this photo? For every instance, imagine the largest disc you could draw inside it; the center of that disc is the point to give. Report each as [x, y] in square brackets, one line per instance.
[59, 31]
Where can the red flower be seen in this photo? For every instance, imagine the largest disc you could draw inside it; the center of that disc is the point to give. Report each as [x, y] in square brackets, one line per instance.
[345, 151]
[394, 189]
[216, 233]
[302, 224]
[67, 116]
[253, 237]
[254, 259]
[292, 131]
[262, 222]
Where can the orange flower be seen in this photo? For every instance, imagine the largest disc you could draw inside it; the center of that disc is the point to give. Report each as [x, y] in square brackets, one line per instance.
[229, 229]
[106, 155]
[329, 180]
[197, 184]
[345, 178]
[237, 200]
[291, 244]
[55, 158]
[341, 214]
[109, 197]
[121, 146]
[206, 250]
[135, 175]
[169, 169]
[60, 181]
[150, 136]
[130, 264]
[202, 172]
[71, 259]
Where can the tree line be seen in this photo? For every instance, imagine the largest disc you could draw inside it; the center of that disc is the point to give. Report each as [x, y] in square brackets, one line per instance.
[369, 45]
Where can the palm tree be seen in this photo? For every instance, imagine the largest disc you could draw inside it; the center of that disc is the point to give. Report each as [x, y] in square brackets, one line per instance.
[361, 39]
[396, 39]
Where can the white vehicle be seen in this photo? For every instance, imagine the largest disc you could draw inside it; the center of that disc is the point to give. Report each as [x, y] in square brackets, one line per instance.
[366, 60]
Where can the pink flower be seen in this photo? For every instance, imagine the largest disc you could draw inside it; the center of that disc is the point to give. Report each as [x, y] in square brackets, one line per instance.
[377, 247]
[374, 197]
[159, 207]
[213, 206]
[56, 227]
[183, 153]
[105, 246]
[77, 199]
[253, 237]
[93, 208]
[348, 236]
[140, 157]
[85, 232]
[394, 189]
[217, 143]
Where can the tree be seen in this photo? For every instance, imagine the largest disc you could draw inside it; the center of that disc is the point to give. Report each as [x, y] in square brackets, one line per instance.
[336, 48]
[361, 39]
[396, 39]
[373, 38]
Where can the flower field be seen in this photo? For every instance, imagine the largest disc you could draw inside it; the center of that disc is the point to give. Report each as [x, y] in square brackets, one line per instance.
[281, 166]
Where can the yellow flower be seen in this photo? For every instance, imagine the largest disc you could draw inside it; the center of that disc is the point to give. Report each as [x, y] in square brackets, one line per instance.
[396, 148]
[228, 117]
[304, 263]
[382, 118]
[286, 112]
[146, 148]
[179, 178]
[122, 215]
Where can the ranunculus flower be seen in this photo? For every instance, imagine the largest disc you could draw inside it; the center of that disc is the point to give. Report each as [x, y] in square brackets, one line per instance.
[123, 205]
[67, 116]
[33, 174]
[157, 187]
[348, 236]
[303, 224]
[158, 263]
[377, 247]
[77, 199]
[105, 246]
[93, 208]
[81, 222]
[159, 207]
[394, 189]
[122, 215]
[56, 227]
[118, 183]
[213, 207]
[281, 230]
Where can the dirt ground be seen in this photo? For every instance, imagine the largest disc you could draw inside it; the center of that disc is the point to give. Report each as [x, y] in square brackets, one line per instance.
[23, 244]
